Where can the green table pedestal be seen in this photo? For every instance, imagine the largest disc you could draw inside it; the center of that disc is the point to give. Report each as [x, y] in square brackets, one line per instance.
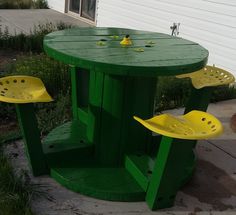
[88, 154]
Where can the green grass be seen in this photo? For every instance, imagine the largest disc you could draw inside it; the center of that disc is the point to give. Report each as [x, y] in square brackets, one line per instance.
[171, 93]
[55, 75]
[15, 193]
[16, 190]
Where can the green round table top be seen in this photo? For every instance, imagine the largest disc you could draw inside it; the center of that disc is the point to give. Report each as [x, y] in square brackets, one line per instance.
[151, 54]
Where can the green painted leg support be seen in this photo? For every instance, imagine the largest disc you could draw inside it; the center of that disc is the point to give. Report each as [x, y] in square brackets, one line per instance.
[171, 165]
[31, 135]
[74, 92]
[199, 99]
[153, 196]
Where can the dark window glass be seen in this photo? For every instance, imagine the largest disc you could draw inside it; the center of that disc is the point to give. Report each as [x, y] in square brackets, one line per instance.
[75, 6]
[88, 9]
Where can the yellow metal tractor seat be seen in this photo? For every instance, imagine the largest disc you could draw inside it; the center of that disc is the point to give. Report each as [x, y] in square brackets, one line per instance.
[23, 89]
[209, 76]
[194, 125]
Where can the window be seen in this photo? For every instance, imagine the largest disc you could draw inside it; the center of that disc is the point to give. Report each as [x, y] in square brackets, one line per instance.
[74, 6]
[83, 8]
[88, 9]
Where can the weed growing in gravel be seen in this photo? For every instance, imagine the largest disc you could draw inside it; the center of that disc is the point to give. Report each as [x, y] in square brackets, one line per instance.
[16, 191]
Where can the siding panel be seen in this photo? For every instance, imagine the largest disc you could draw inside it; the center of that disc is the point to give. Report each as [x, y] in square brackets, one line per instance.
[58, 5]
[211, 23]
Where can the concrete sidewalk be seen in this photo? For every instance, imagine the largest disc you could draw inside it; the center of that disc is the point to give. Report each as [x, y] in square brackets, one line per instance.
[212, 189]
[22, 21]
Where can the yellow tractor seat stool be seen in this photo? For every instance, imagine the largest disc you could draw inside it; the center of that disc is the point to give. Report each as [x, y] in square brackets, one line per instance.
[194, 125]
[23, 89]
[209, 76]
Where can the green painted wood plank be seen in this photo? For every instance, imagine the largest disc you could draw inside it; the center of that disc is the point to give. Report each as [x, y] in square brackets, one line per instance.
[174, 159]
[109, 38]
[68, 146]
[114, 184]
[68, 136]
[153, 197]
[143, 59]
[74, 91]
[101, 31]
[140, 166]
[95, 106]
[108, 148]
[147, 56]
[91, 53]
[111, 46]
[115, 45]
[138, 100]
[83, 115]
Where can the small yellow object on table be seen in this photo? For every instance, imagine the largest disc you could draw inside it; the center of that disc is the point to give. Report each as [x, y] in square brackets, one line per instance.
[126, 41]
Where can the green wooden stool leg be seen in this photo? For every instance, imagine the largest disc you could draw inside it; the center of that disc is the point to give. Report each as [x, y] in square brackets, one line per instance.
[199, 99]
[31, 135]
[168, 173]
[153, 195]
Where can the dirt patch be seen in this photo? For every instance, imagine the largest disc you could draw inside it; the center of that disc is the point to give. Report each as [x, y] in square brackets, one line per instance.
[211, 185]
[6, 57]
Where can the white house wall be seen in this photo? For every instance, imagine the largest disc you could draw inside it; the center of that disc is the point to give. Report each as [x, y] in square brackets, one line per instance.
[58, 5]
[211, 23]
